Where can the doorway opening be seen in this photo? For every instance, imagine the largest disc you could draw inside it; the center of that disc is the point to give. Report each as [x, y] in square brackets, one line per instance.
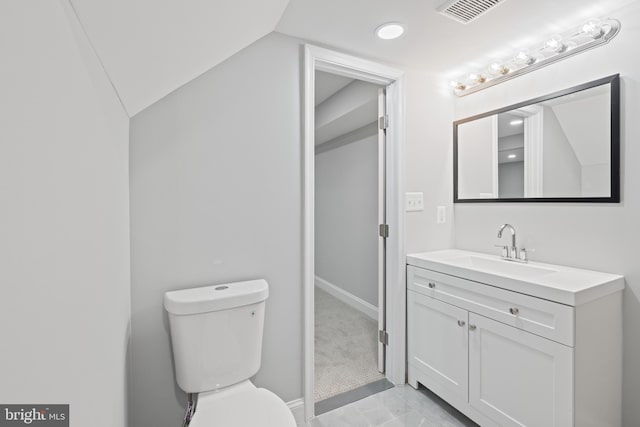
[330, 195]
[349, 284]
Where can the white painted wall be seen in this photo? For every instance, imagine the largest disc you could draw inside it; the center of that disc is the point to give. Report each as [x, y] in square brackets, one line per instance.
[594, 236]
[561, 170]
[429, 160]
[216, 197]
[586, 122]
[346, 217]
[64, 219]
[596, 180]
[476, 159]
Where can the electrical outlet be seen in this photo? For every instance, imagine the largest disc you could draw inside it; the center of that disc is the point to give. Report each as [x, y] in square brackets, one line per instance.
[414, 202]
[441, 214]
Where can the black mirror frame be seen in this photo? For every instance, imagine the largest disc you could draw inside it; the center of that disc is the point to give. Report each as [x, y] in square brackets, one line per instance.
[614, 197]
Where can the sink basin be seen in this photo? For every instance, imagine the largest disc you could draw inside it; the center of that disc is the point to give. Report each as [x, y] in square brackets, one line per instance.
[566, 285]
[500, 266]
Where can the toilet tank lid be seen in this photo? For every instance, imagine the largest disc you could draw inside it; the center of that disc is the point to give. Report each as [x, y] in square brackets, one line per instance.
[216, 297]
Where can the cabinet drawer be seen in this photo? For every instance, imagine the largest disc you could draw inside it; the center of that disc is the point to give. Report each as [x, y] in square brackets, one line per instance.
[544, 318]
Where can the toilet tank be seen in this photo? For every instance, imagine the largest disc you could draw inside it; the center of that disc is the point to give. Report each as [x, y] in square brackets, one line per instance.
[216, 333]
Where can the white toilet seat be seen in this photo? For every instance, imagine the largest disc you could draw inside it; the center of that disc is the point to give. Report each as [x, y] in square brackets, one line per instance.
[242, 405]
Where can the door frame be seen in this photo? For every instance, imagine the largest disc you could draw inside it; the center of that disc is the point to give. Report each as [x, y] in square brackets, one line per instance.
[321, 59]
[382, 219]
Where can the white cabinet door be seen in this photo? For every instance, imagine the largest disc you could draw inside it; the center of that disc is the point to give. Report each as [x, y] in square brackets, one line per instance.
[517, 378]
[438, 345]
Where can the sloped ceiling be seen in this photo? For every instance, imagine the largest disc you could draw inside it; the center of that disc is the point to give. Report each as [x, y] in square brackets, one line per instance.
[149, 48]
[328, 85]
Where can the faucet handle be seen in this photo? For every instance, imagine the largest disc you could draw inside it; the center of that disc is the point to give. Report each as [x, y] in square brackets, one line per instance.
[522, 254]
[505, 250]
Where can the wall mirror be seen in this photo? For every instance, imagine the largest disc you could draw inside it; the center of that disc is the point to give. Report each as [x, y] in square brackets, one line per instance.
[561, 147]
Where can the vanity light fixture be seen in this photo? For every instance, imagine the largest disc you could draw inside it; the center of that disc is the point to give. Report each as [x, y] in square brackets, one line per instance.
[516, 122]
[390, 31]
[589, 35]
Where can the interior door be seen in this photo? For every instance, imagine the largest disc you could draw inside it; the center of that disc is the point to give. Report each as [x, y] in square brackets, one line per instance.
[382, 220]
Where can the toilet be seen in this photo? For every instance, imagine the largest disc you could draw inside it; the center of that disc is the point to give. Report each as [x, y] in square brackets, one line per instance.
[216, 334]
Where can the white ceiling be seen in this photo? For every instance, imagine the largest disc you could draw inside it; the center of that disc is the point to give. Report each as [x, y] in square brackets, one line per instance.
[433, 42]
[348, 105]
[505, 128]
[327, 84]
[149, 48]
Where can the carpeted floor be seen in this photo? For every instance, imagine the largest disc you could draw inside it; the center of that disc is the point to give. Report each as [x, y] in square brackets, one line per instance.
[346, 351]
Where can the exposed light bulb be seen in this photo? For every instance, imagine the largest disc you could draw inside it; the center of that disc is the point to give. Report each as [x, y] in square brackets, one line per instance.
[593, 28]
[476, 78]
[555, 44]
[523, 58]
[497, 68]
[457, 85]
[390, 30]
[512, 156]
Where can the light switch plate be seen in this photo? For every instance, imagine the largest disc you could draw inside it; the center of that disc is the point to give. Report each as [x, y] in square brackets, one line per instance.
[414, 202]
[441, 216]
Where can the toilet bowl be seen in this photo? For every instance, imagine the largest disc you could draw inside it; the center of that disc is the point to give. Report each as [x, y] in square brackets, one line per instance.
[216, 336]
[250, 406]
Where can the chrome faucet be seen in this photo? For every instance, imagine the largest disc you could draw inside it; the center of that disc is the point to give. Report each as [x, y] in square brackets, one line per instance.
[511, 253]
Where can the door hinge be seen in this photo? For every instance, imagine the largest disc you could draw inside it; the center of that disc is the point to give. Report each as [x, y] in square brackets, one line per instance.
[383, 337]
[383, 122]
[384, 230]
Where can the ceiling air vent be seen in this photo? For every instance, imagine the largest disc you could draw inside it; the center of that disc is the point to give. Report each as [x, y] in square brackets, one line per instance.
[466, 11]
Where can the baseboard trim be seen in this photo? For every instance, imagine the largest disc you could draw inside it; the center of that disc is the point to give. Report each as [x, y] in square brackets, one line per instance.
[347, 298]
[297, 409]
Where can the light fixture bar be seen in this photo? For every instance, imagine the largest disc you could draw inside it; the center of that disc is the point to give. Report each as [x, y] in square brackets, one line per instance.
[592, 34]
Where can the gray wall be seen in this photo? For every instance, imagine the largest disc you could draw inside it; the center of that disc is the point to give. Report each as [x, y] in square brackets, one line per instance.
[562, 172]
[216, 197]
[346, 217]
[511, 179]
[64, 219]
[594, 236]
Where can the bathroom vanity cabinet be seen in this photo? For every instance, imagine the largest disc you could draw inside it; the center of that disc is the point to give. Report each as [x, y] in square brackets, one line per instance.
[547, 357]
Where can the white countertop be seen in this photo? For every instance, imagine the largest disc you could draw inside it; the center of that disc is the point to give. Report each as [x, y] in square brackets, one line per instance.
[566, 285]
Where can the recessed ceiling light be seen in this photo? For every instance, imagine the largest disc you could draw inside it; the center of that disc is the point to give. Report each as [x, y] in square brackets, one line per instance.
[390, 30]
[516, 122]
[512, 156]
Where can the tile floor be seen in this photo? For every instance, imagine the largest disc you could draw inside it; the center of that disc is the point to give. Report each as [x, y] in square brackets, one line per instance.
[401, 406]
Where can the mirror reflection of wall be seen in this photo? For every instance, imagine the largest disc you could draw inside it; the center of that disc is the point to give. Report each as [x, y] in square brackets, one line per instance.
[576, 162]
[510, 156]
